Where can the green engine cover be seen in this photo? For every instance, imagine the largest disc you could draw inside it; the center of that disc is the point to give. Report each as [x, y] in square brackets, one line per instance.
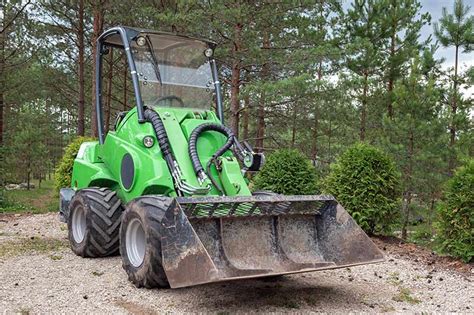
[124, 164]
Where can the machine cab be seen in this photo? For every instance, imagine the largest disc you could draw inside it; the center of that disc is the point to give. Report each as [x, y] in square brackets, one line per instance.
[167, 70]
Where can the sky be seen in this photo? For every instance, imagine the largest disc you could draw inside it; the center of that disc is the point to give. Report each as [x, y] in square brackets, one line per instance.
[435, 8]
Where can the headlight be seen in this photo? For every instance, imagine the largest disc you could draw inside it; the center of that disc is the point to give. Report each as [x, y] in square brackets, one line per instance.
[148, 141]
[208, 52]
[141, 41]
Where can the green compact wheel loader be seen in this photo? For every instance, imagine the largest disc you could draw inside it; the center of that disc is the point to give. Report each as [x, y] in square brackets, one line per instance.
[166, 186]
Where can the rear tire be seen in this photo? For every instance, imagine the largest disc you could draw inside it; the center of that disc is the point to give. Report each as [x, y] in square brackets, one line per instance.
[140, 241]
[94, 222]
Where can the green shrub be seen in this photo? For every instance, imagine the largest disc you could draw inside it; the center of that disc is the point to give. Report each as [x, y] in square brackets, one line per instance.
[287, 172]
[422, 234]
[366, 182]
[63, 173]
[455, 224]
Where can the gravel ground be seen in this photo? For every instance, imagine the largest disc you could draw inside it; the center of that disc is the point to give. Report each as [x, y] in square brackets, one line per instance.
[39, 274]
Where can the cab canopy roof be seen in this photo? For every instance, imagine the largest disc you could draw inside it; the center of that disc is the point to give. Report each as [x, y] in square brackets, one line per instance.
[161, 40]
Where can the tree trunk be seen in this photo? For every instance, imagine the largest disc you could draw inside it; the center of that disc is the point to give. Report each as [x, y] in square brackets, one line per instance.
[432, 212]
[390, 102]
[28, 177]
[391, 78]
[125, 79]
[234, 98]
[363, 110]
[260, 123]
[109, 91]
[97, 29]
[329, 140]
[259, 142]
[407, 195]
[2, 79]
[245, 118]
[314, 140]
[235, 81]
[406, 212]
[454, 107]
[81, 70]
[293, 130]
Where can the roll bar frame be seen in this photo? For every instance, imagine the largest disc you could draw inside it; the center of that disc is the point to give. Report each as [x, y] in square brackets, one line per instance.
[127, 35]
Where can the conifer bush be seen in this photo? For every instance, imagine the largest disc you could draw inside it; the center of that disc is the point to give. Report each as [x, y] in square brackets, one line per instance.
[366, 182]
[63, 173]
[287, 172]
[455, 224]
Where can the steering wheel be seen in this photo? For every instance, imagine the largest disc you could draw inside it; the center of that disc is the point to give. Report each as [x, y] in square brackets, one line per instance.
[169, 97]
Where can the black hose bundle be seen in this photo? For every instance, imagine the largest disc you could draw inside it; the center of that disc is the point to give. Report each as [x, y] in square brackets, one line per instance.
[198, 168]
[155, 120]
[160, 131]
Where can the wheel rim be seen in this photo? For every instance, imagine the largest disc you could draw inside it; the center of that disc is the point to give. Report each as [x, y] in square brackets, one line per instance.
[135, 242]
[79, 224]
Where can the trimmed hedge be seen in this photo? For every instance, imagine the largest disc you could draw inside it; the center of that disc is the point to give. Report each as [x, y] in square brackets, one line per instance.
[63, 173]
[455, 224]
[366, 182]
[287, 172]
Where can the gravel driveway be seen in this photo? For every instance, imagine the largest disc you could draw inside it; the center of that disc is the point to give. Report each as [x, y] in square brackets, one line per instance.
[39, 274]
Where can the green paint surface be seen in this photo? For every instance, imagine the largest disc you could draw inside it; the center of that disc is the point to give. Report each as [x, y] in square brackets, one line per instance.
[100, 165]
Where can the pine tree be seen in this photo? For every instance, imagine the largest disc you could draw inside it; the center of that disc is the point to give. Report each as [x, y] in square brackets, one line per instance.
[365, 36]
[67, 23]
[414, 136]
[403, 23]
[13, 20]
[456, 29]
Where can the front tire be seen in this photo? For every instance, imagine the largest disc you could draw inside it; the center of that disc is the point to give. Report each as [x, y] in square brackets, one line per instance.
[140, 241]
[94, 222]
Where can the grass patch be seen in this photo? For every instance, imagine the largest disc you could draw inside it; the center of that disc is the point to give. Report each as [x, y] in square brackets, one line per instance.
[388, 309]
[29, 245]
[37, 200]
[23, 311]
[422, 235]
[55, 257]
[404, 295]
[394, 278]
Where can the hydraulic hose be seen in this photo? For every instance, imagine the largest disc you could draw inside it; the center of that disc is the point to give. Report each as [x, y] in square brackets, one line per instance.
[155, 120]
[163, 142]
[198, 168]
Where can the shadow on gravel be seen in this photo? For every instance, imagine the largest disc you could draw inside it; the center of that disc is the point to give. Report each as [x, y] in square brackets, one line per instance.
[266, 294]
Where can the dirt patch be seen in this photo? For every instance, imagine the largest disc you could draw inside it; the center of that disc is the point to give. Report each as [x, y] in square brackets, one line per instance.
[44, 201]
[54, 280]
[32, 245]
[135, 308]
[399, 248]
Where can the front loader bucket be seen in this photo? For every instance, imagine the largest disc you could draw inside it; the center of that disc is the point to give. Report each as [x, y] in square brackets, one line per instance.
[211, 239]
